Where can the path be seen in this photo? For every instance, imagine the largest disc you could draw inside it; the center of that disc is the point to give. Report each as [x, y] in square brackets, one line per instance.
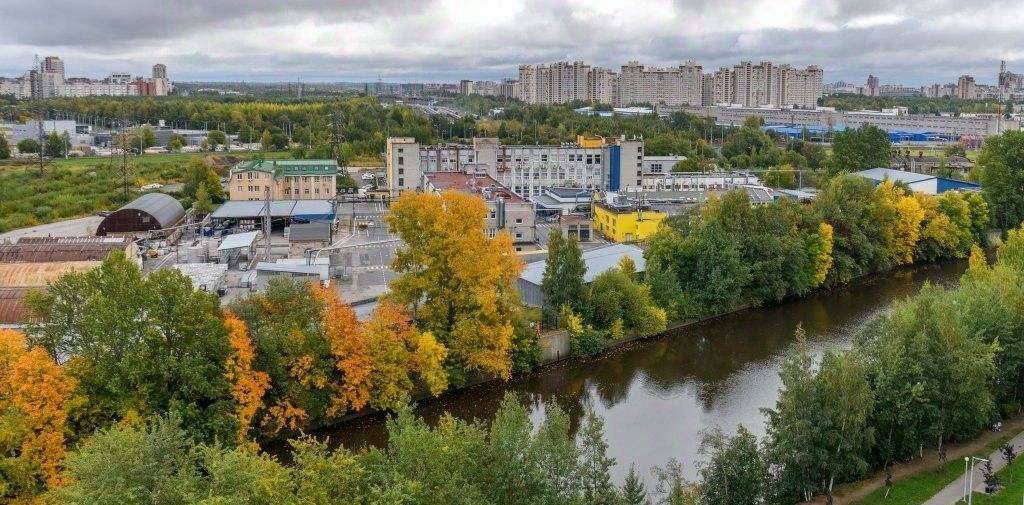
[859, 490]
[68, 228]
[955, 491]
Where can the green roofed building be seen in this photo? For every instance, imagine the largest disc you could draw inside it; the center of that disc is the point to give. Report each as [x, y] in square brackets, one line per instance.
[285, 179]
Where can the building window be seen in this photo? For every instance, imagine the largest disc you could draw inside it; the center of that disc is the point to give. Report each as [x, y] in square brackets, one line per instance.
[307, 191]
[401, 160]
[401, 149]
[401, 171]
[401, 181]
[519, 235]
[543, 157]
[494, 214]
[519, 220]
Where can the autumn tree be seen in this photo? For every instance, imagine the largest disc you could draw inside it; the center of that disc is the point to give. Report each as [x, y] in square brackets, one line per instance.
[35, 395]
[904, 231]
[247, 385]
[349, 351]
[563, 282]
[458, 284]
[400, 354]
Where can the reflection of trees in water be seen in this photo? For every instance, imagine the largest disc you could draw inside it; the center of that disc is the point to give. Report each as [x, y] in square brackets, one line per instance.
[698, 360]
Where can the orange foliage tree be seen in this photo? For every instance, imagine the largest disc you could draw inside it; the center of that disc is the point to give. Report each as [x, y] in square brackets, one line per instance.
[35, 394]
[349, 350]
[247, 385]
[459, 284]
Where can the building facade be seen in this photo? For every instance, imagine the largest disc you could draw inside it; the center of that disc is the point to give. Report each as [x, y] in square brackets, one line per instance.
[260, 179]
[47, 80]
[506, 211]
[612, 164]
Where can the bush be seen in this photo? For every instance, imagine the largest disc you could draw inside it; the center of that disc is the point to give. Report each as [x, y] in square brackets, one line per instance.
[589, 342]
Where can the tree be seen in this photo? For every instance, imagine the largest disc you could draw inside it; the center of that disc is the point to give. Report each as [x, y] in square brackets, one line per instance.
[847, 401]
[5, 148]
[350, 351]
[56, 146]
[216, 138]
[176, 142]
[1003, 177]
[247, 385]
[795, 441]
[266, 142]
[672, 486]
[27, 146]
[147, 136]
[861, 148]
[595, 464]
[139, 346]
[246, 134]
[459, 285]
[562, 283]
[903, 231]
[617, 299]
[735, 472]
[203, 203]
[399, 351]
[199, 173]
[633, 490]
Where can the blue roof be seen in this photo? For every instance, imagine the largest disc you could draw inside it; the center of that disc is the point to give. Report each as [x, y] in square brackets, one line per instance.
[943, 184]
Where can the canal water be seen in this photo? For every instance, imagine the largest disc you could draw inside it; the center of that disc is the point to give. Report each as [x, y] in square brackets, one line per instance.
[656, 396]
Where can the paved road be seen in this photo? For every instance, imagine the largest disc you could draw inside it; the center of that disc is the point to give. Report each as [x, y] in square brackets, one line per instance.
[69, 228]
[955, 492]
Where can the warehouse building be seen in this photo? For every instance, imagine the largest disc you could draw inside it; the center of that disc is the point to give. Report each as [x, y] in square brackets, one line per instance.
[152, 213]
[918, 183]
[597, 261]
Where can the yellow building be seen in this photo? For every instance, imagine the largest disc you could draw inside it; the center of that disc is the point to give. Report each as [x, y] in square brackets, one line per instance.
[286, 179]
[625, 222]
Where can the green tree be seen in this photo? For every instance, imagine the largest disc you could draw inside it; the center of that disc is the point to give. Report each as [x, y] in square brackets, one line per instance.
[794, 439]
[147, 135]
[198, 174]
[856, 149]
[595, 464]
[1003, 177]
[847, 401]
[735, 472]
[203, 204]
[633, 491]
[176, 142]
[216, 138]
[26, 146]
[56, 146]
[5, 148]
[139, 346]
[266, 140]
[247, 135]
[562, 283]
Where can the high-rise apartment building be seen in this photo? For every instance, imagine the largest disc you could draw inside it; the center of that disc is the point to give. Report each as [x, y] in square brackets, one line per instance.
[966, 87]
[746, 83]
[47, 79]
[872, 87]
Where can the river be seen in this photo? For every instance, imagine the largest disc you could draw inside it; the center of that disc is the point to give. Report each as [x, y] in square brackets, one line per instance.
[657, 395]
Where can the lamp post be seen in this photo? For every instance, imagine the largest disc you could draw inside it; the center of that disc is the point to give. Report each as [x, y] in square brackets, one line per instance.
[969, 488]
[967, 460]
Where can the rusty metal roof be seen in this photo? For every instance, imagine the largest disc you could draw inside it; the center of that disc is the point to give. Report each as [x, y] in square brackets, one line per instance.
[12, 305]
[55, 249]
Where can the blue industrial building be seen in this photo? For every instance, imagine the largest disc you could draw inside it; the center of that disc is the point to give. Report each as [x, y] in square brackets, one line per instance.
[918, 183]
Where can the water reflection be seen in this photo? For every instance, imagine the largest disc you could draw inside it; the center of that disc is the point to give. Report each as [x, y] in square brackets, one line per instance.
[656, 396]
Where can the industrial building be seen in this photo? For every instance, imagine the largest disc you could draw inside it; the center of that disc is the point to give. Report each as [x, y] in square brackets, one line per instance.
[152, 213]
[249, 214]
[612, 164]
[598, 261]
[918, 183]
[623, 220]
[506, 211]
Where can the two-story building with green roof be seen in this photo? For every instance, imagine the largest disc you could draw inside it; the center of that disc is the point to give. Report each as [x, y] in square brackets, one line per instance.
[285, 179]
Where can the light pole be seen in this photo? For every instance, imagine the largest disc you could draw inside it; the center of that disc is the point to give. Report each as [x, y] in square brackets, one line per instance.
[967, 460]
[970, 487]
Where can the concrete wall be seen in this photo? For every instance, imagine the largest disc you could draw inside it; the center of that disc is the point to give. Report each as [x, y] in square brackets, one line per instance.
[555, 346]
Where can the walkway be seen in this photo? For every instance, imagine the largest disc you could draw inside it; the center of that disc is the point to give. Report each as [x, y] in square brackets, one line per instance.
[854, 492]
[955, 491]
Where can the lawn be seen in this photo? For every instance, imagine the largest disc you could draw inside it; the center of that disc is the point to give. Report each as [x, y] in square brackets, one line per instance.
[918, 488]
[81, 186]
[1012, 477]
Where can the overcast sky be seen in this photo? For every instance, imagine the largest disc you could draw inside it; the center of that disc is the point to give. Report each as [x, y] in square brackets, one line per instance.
[913, 42]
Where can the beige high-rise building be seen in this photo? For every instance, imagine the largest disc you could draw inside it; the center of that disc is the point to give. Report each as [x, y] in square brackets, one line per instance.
[966, 87]
[803, 87]
[723, 86]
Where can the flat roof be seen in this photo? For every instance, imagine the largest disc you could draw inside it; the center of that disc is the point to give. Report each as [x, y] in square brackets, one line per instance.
[238, 208]
[598, 261]
[238, 240]
[880, 174]
[318, 231]
[291, 268]
[278, 208]
[477, 184]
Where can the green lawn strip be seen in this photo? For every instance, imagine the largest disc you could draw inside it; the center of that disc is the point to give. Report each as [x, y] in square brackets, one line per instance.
[921, 486]
[1012, 478]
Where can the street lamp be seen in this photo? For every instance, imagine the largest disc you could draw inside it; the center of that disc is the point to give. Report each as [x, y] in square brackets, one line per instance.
[969, 487]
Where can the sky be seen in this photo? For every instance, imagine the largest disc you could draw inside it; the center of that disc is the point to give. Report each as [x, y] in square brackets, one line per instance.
[914, 42]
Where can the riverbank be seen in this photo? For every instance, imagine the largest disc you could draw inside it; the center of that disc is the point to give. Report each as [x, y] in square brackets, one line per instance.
[658, 394]
[907, 476]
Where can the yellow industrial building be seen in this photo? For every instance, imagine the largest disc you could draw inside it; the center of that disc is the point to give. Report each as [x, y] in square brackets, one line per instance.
[624, 222]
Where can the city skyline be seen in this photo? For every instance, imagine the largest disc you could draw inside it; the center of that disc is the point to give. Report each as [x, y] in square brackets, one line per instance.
[443, 40]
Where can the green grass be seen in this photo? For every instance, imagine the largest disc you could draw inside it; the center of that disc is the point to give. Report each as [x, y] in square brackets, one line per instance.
[1012, 478]
[920, 487]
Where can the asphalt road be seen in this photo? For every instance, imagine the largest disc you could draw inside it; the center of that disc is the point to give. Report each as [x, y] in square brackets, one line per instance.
[69, 228]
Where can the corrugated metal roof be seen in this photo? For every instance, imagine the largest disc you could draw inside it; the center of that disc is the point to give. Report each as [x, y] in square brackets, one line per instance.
[319, 231]
[292, 268]
[313, 208]
[239, 209]
[281, 208]
[12, 306]
[238, 240]
[40, 274]
[880, 174]
[164, 208]
[598, 261]
[46, 249]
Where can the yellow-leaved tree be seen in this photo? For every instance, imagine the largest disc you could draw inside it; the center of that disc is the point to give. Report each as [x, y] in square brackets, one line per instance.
[350, 352]
[903, 232]
[247, 385]
[400, 354]
[459, 284]
[35, 394]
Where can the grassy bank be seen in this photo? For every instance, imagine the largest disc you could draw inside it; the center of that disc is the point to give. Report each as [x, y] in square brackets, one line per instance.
[1012, 479]
[919, 487]
[81, 186]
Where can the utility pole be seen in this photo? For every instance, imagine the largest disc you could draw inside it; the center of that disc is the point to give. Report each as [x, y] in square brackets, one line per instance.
[123, 140]
[266, 221]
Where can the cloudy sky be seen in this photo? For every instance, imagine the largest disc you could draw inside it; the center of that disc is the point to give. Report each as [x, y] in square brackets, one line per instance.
[914, 42]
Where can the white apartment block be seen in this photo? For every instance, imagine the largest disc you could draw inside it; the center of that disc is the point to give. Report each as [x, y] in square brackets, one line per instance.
[47, 80]
[614, 165]
[747, 84]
